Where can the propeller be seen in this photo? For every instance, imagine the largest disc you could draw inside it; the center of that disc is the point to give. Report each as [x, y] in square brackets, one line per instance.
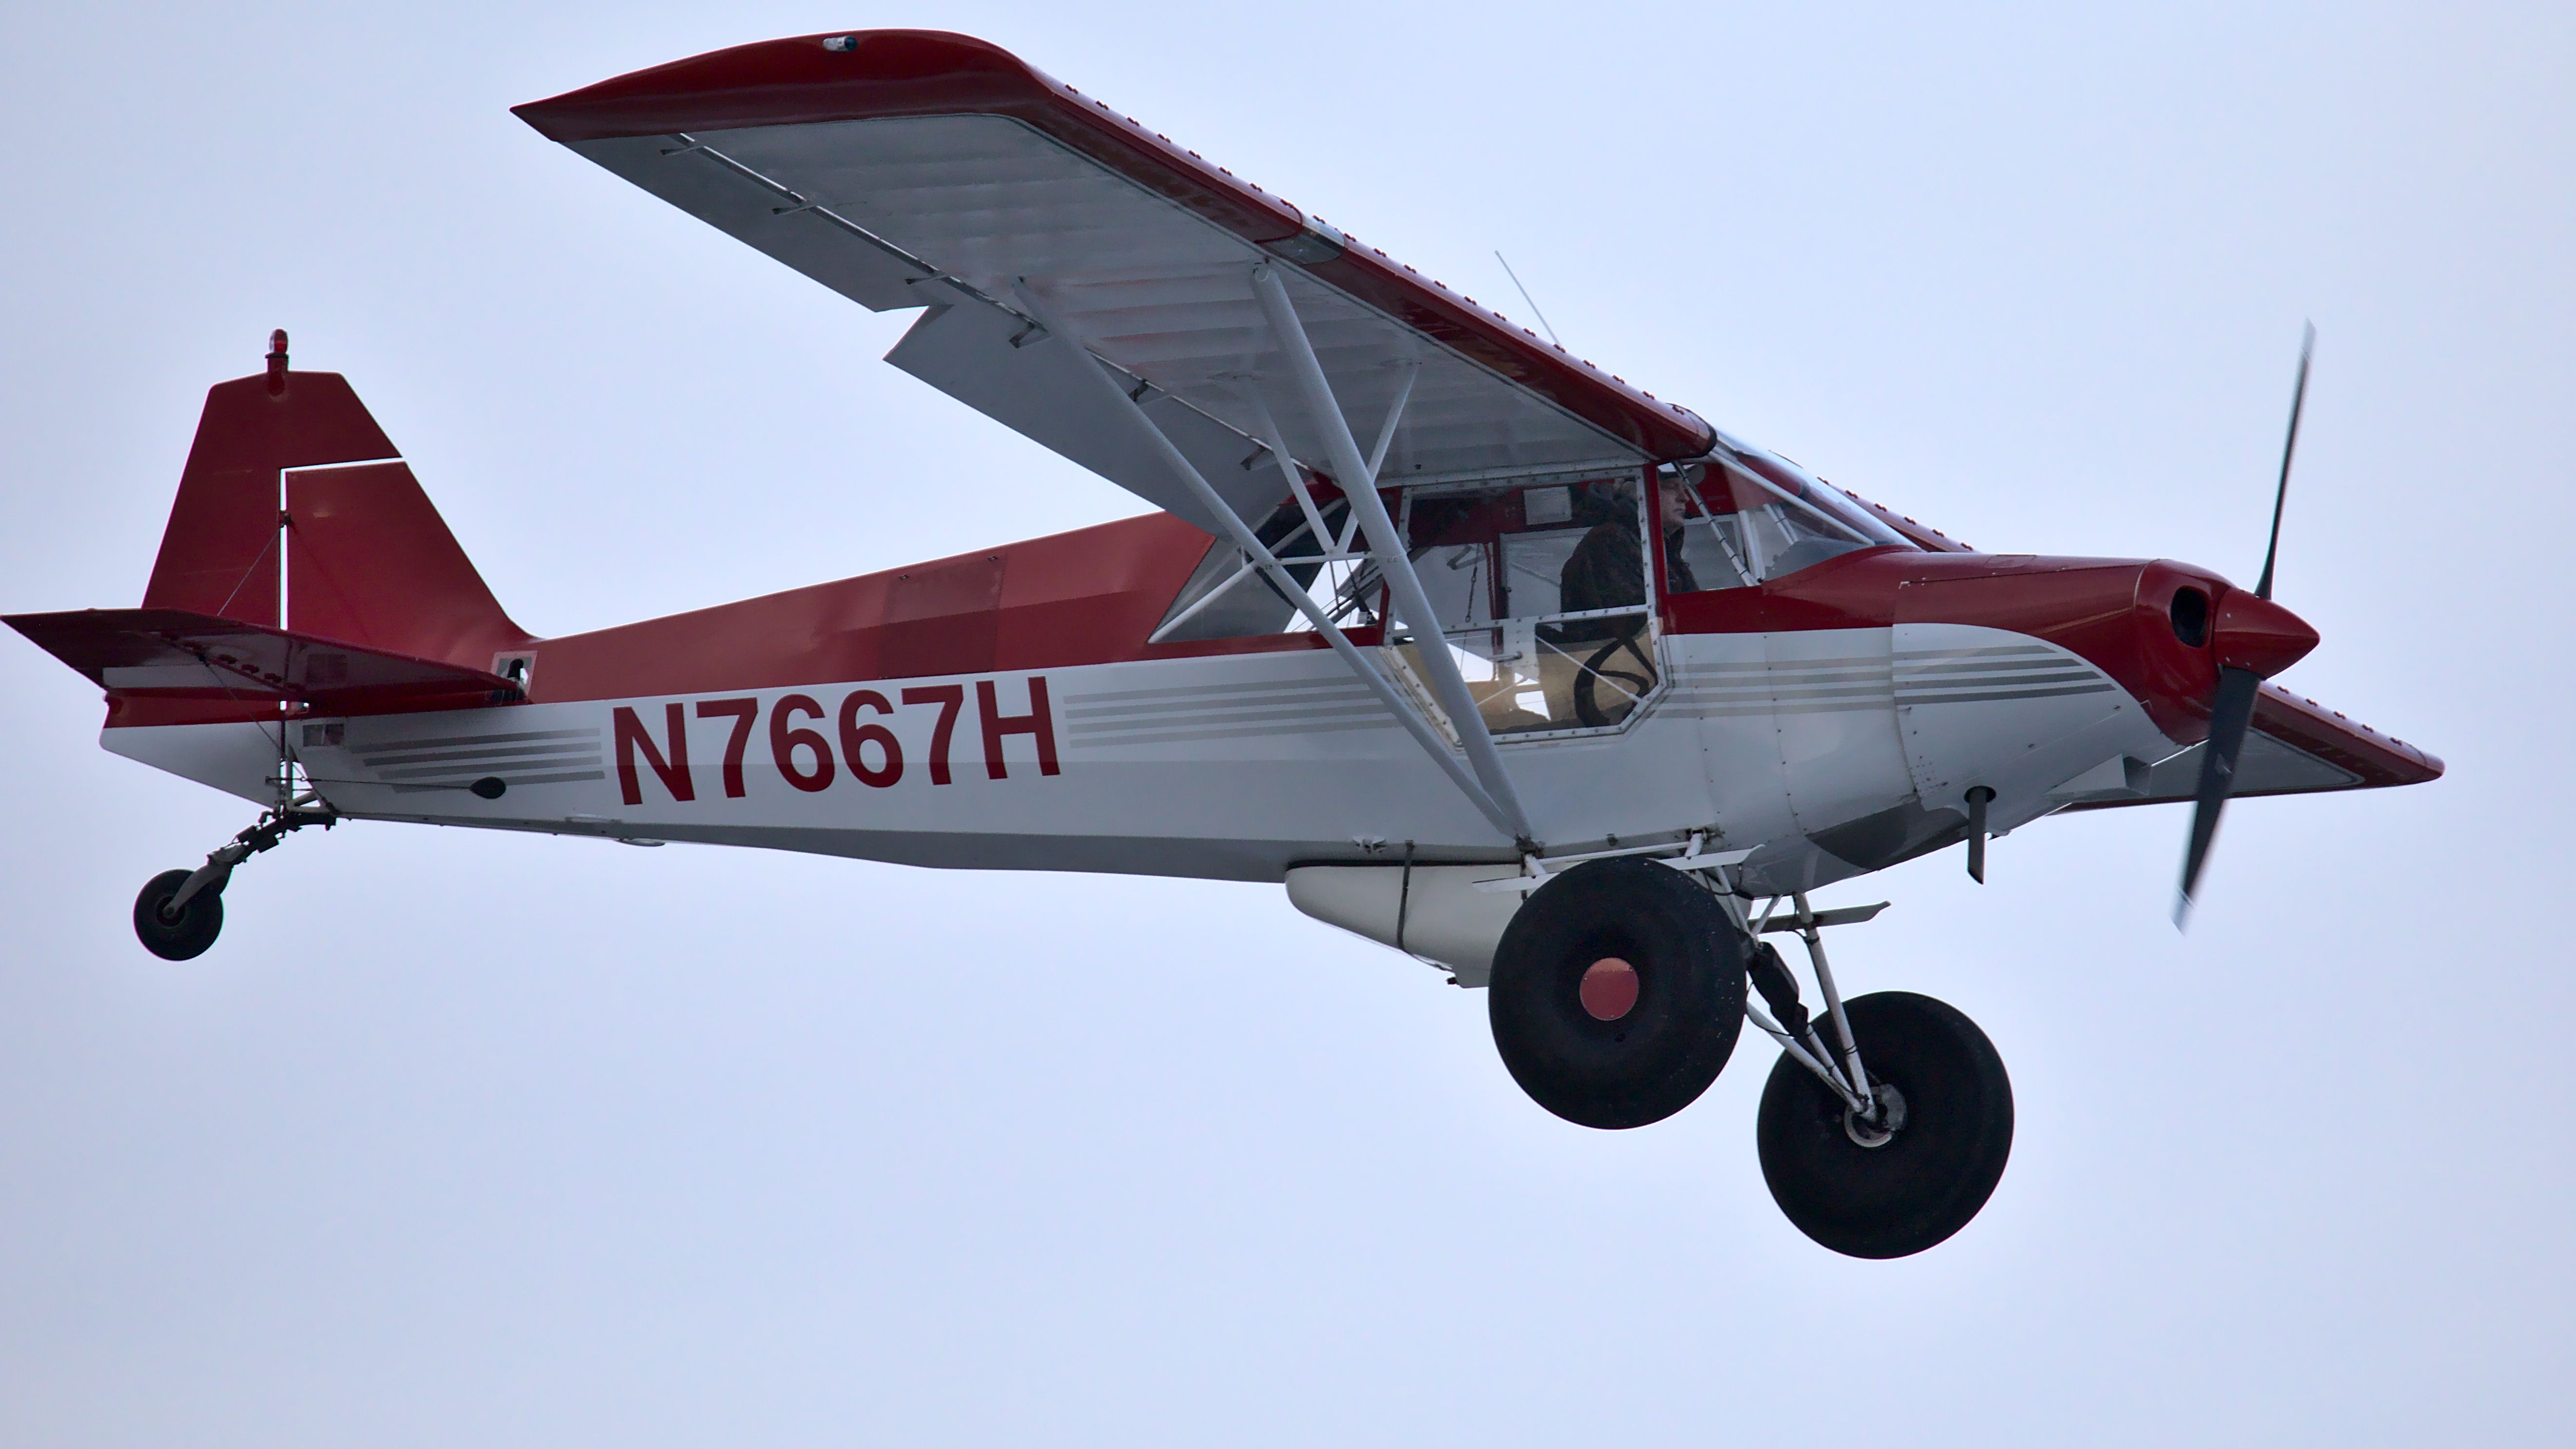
[2232, 709]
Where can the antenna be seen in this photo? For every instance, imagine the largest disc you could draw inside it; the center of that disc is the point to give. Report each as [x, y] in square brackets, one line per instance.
[1526, 297]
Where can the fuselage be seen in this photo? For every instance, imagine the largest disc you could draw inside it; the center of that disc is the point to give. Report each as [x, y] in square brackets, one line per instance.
[1004, 709]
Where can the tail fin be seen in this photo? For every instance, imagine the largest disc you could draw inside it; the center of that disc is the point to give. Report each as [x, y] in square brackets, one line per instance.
[274, 526]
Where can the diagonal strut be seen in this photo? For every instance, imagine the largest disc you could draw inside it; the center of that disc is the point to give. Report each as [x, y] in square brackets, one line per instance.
[1118, 400]
[1413, 605]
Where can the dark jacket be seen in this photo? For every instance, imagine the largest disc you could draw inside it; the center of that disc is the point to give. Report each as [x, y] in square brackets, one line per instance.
[1608, 570]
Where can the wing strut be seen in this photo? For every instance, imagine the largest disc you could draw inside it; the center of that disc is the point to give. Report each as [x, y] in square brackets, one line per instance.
[1359, 485]
[1118, 400]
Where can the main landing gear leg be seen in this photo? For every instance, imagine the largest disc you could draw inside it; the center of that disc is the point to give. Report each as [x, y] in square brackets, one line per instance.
[1887, 1158]
[180, 912]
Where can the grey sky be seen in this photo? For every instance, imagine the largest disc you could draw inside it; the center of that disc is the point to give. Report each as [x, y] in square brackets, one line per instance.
[463, 1139]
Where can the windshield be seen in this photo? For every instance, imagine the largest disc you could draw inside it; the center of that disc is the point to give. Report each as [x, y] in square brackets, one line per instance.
[1756, 517]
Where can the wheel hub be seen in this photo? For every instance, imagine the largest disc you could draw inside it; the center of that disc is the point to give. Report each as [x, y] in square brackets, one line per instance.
[1609, 989]
[1880, 1127]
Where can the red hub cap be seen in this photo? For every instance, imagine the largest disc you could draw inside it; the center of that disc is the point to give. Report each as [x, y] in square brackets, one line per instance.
[1609, 989]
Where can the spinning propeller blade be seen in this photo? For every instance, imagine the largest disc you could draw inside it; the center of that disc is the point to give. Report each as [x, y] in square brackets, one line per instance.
[2229, 716]
[2281, 494]
[2232, 710]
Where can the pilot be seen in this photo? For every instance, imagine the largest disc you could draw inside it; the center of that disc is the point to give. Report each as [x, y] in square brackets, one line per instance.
[1608, 568]
[1607, 571]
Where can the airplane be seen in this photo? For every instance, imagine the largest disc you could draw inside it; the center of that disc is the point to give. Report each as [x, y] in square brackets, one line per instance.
[1485, 653]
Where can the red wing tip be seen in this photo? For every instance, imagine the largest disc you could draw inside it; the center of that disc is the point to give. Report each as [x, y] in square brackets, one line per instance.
[2346, 733]
[823, 61]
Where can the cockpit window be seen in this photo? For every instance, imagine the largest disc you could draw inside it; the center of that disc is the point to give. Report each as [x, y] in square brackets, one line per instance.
[1539, 591]
[1542, 595]
[1541, 588]
[1759, 517]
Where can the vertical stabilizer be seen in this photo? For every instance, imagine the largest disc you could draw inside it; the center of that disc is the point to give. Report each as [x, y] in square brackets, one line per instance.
[269, 497]
[219, 554]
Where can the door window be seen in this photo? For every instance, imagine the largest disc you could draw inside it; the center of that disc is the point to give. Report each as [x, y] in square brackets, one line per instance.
[1541, 593]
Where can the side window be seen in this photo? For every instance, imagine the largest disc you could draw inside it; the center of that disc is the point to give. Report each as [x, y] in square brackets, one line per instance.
[1734, 532]
[1227, 598]
[1703, 539]
[1539, 592]
[1541, 596]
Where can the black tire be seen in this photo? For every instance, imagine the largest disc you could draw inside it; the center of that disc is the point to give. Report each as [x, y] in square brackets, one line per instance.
[1686, 961]
[190, 932]
[1934, 1174]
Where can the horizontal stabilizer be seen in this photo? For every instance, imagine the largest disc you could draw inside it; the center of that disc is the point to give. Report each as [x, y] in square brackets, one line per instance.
[180, 654]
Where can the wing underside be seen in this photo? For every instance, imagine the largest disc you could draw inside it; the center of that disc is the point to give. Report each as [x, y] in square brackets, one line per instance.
[916, 169]
[2295, 747]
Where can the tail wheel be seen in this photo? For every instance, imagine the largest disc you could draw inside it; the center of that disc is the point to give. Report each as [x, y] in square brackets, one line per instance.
[1617, 993]
[1899, 1187]
[182, 934]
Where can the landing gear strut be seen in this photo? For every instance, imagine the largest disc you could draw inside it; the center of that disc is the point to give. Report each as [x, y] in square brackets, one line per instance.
[180, 912]
[1887, 1157]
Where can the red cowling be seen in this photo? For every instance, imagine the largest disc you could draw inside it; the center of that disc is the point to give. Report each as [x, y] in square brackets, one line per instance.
[2257, 634]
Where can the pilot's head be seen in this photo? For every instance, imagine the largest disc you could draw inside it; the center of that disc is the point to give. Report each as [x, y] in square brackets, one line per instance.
[1676, 506]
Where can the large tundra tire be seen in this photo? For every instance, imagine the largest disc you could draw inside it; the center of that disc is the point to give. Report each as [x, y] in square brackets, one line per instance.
[1617, 993]
[1885, 1194]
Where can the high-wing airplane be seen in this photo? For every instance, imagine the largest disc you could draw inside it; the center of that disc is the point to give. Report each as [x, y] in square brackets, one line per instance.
[1487, 654]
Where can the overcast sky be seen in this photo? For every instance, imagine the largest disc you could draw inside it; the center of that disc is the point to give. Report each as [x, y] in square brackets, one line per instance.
[462, 1139]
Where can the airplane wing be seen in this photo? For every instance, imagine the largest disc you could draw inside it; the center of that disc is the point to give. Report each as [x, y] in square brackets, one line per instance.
[177, 654]
[2296, 747]
[913, 168]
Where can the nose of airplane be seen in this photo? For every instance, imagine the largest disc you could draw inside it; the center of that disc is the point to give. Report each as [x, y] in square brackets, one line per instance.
[2254, 633]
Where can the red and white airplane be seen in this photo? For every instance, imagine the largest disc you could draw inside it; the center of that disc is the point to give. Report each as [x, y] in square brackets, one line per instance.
[1487, 654]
